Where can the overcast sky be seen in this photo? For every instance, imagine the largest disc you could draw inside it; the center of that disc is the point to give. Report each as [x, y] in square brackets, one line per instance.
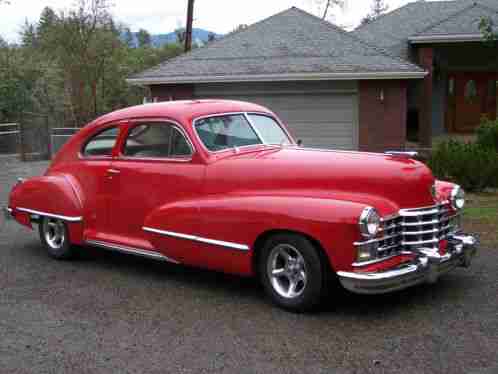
[162, 16]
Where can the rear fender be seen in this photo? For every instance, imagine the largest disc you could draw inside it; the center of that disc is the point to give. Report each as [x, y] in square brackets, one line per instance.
[52, 196]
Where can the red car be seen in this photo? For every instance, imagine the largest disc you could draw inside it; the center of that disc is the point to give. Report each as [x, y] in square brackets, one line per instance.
[223, 185]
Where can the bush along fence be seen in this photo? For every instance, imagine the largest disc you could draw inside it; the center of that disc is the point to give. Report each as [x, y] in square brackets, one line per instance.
[473, 165]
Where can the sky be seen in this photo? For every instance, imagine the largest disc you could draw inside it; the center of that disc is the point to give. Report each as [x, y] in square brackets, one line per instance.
[162, 16]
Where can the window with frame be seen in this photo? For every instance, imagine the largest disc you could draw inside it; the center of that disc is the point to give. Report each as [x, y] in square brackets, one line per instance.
[226, 131]
[471, 94]
[156, 140]
[102, 143]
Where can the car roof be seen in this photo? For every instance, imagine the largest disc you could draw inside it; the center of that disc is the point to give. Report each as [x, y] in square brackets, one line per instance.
[182, 110]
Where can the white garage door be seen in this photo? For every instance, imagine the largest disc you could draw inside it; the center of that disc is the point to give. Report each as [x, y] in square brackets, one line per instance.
[322, 117]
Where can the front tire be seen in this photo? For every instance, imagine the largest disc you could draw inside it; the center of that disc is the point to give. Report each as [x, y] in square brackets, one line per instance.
[54, 235]
[291, 272]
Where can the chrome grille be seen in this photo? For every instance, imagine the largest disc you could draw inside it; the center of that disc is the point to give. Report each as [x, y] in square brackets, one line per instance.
[414, 228]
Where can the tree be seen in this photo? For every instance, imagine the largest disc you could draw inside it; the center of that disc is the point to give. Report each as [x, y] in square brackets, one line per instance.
[379, 7]
[181, 34]
[486, 26]
[128, 37]
[29, 35]
[143, 38]
[329, 4]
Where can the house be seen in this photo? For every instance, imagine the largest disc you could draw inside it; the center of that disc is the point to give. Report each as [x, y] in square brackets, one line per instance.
[343, 90]
[444, 39]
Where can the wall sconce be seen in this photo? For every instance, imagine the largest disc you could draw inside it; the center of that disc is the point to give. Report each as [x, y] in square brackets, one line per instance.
[381, 95]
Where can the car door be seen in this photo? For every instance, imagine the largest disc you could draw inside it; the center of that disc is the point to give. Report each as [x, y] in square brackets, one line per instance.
[156, 181]
[92, 175]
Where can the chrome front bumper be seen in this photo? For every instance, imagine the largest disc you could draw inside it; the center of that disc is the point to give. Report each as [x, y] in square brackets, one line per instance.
[427, 266]
[7, 212]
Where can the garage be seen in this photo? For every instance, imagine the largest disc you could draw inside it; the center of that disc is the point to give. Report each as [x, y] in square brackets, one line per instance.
[321, 114]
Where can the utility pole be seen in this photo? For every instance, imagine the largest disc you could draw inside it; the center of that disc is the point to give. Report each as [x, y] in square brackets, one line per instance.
[190, 20]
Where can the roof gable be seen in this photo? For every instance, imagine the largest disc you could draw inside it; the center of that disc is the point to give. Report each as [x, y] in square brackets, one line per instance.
[392, 30]
[289, 43]
[464, 22]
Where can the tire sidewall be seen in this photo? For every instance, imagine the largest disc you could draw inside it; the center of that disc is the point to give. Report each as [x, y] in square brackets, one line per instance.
[314, 273]
[63, 253]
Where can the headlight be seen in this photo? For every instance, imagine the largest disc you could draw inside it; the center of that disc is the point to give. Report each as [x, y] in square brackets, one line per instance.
[369, 222]
[457, 198]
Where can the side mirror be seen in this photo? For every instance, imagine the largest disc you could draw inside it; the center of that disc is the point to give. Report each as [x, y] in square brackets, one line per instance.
[299, 142]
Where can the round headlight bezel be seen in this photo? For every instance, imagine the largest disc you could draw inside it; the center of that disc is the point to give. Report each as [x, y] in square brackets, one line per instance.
[369, 222]
[457, 198]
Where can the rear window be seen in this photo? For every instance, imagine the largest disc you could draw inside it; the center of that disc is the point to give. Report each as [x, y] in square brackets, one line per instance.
[103, 143]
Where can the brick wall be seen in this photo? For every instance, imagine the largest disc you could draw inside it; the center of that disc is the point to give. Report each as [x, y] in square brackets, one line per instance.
[167, 92]
[382, 115]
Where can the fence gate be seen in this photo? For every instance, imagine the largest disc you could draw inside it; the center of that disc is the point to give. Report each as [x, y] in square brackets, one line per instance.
[9, 139]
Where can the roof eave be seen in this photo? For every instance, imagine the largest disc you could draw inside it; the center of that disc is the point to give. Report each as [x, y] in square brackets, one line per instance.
[447, 38]
[278, 77]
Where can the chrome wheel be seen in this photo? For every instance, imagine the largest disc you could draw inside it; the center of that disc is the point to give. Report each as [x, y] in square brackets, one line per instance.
[54, 232]
[287, 271]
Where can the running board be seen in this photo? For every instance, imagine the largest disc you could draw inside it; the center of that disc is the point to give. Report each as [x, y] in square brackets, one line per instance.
[130, 250]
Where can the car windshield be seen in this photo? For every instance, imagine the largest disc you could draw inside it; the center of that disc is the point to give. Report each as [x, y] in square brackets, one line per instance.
[234, 130]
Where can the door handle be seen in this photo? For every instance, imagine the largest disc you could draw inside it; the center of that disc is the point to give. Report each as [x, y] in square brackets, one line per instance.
[113, 171]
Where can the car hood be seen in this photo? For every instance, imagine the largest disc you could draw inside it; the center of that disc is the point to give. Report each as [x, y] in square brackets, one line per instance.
[386, 182]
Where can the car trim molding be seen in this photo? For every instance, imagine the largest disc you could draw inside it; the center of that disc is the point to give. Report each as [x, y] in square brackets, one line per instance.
[131, 250]
[221, 243]
[45, 214]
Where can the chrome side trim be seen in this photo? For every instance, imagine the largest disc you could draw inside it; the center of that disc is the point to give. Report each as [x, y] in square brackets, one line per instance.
[64, 218]
[402, 154]
[130, 250]
[221, 243]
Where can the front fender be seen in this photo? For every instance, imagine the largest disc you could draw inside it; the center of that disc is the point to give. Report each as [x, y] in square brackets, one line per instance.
[242, 219]
[53, 195]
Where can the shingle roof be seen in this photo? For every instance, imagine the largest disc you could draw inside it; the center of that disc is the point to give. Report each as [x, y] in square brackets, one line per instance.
[464, 22]
[290, 43]
[392, 30]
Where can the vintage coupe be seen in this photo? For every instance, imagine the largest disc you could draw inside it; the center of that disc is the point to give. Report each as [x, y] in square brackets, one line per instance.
[222, 185]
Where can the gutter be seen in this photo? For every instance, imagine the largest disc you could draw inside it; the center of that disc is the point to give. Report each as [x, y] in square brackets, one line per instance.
[278, 77]
[455, 38]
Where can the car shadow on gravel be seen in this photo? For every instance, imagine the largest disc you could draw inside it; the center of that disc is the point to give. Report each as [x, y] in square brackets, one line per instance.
[338, 302]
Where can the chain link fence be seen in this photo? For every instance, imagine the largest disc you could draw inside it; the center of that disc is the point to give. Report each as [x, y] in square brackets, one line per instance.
[34, 136]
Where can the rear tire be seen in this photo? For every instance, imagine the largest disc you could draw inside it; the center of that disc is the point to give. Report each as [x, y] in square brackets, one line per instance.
[291, 272]
[54, 235]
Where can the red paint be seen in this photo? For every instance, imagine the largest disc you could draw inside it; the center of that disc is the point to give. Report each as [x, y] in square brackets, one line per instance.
[443, 247]
[227, 196]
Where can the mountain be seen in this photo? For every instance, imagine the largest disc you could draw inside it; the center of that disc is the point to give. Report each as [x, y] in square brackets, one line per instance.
[199, 36]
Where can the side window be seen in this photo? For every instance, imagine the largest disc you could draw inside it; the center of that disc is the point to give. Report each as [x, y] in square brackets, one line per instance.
[156, 140]
[102, 143]
[179, 146]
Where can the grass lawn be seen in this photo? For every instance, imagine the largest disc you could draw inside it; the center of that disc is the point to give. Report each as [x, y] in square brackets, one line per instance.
[481, 217]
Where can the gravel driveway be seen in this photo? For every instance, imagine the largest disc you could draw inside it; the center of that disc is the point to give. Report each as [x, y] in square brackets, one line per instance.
[112, 313]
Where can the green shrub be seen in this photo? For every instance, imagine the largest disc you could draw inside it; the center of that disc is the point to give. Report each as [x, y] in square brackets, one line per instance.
[471, 165]
[487, 134]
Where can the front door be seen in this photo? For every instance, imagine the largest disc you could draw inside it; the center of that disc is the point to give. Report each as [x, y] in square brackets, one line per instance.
[470, 96]
[154, 174]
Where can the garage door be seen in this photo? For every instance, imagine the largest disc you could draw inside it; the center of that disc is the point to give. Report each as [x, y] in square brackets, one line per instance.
[320, 115]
